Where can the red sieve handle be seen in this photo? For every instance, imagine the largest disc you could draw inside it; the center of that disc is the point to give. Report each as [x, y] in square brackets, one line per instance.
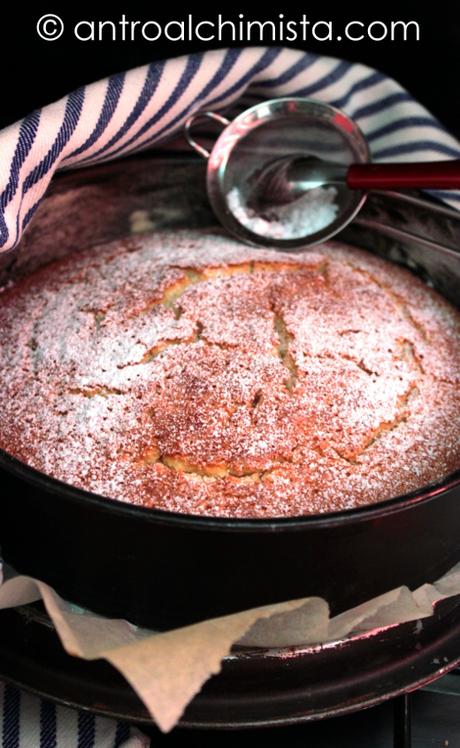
[435, 175]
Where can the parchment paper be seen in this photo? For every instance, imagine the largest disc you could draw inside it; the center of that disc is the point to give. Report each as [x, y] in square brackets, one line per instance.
[168, 669]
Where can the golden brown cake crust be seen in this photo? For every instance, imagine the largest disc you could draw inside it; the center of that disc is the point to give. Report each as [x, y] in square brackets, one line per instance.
[190, 373]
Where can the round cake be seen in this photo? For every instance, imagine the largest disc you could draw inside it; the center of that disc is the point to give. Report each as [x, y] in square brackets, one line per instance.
[186, 372]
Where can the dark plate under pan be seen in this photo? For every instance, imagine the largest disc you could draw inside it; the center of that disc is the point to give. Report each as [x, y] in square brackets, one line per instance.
[160, 569]
[256, 688]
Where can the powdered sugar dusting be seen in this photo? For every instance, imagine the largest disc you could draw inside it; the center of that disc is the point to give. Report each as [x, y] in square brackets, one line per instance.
[188, 372]
[308, 215]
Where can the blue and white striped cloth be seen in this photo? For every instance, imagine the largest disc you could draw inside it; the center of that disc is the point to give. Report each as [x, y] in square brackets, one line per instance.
[29, 722]
[146, 107]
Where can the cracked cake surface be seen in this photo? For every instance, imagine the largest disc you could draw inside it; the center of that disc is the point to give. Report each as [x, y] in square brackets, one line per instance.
[187, 372]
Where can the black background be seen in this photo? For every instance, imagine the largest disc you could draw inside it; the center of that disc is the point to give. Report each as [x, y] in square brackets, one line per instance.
[36, 72]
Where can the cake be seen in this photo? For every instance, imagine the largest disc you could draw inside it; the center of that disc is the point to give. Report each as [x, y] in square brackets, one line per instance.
[189, 373]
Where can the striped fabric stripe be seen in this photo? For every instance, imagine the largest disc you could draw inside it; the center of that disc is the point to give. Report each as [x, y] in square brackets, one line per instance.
[427, 146]
[114, 90]
[184, 83]
[86, 730]
[163, 133]
[121, 734]
[11, 718]
[152, 79]
[147, 107]
[29, 722]
[48, 725]
[401, 124]
[292, 72]
[72, 113]
[445, 195]
[332, 77]
[27, 133]
[361, 85]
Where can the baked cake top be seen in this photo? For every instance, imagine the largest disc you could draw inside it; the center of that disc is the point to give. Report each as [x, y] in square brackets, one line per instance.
[187, 372]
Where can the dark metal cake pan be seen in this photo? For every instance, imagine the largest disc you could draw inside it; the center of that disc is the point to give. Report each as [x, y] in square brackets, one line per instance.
[159, 569]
